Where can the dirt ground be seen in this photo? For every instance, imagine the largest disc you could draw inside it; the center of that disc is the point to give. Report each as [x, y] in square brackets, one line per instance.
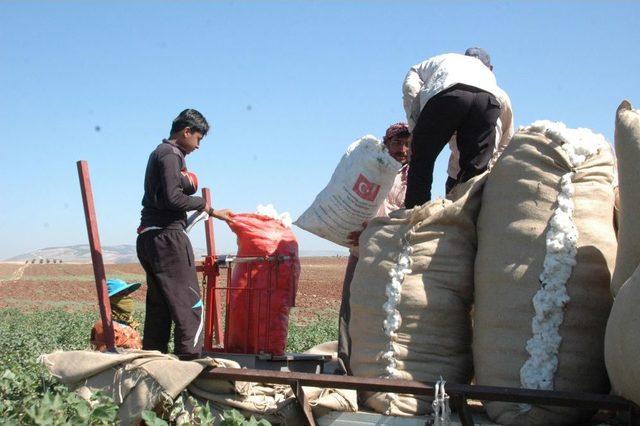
[72, 286]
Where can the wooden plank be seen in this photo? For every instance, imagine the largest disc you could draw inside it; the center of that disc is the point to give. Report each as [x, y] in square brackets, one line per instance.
[96, 254]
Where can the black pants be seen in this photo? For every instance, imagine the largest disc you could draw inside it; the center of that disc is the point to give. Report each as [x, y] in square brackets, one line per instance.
[173, 293]
[469, 112]
[449, 184]
[344, 339]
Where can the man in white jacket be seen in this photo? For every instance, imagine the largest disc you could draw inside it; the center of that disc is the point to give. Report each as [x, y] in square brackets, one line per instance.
[454, 99]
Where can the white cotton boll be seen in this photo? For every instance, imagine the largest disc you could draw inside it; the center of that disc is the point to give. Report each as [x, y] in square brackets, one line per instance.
[388, 306]
[578, 159]
[565, 205]
[566, 179]
[286, 220]
[561, 245]
[387, 356]
[534, 347]
[393, 321]
[270, 211]
[397, 274]
[404, 262]
[568, 191]
[397, 320]
[557, 245]
[392, 296]
[267, 210]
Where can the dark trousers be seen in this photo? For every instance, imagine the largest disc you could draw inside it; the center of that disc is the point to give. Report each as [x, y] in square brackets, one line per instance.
[344, 340]
[467, 111]
[449, 184]
[173, 294]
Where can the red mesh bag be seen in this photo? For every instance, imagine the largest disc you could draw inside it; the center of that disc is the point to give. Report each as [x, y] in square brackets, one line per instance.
[261, 292]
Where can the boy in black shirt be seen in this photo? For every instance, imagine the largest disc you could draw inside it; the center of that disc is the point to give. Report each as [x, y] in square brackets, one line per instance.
[163, 248]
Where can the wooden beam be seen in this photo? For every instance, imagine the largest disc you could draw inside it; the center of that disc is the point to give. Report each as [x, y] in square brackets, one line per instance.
[484, 393]
[96, 254]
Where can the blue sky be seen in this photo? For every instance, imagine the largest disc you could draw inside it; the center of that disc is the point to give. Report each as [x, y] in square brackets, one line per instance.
[287, 86]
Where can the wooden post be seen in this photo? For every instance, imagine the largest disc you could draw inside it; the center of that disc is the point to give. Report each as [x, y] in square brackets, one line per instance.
[96, 254]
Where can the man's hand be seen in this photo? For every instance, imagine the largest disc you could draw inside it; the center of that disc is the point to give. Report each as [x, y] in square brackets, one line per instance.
[224, 214]
[354, 237]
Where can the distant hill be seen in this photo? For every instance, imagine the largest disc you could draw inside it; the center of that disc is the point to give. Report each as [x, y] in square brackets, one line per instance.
[125, 253]
[81, 253]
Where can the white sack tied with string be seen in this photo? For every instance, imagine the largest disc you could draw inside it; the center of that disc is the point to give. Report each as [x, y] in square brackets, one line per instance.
[357, 189]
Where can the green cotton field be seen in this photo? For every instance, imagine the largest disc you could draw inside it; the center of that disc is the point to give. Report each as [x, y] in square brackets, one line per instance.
[44, 308]
[29, 396]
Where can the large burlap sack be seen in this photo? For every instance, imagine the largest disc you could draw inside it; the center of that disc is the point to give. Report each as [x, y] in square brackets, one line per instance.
[136, 380]
[622, 341]
[627, 138]
[274, 403]
[411, 295]
[546, 217]
[357, 188]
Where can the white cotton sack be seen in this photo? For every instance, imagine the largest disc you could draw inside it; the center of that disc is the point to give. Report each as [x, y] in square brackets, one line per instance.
[357, 189]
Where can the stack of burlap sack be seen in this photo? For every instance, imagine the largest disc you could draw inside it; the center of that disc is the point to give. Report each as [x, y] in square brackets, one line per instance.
[528, 247]
[531, 246]
[148, 380]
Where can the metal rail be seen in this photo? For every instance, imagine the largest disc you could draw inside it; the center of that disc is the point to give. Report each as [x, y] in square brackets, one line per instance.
[225, 260]
[458, 393]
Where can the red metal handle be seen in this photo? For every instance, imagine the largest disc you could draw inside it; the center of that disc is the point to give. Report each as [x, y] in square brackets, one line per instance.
[96, 254]
[213, 306]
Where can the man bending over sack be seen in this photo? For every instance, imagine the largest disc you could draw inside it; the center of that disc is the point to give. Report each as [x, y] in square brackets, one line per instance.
[125, 327]
[454, 98]
[164, 249]
[397, 140]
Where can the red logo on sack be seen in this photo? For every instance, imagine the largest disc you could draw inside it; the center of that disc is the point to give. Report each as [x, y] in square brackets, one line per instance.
[365, 189]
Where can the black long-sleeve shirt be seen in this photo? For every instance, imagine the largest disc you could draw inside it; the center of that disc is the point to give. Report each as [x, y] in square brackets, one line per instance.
[164, 203]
